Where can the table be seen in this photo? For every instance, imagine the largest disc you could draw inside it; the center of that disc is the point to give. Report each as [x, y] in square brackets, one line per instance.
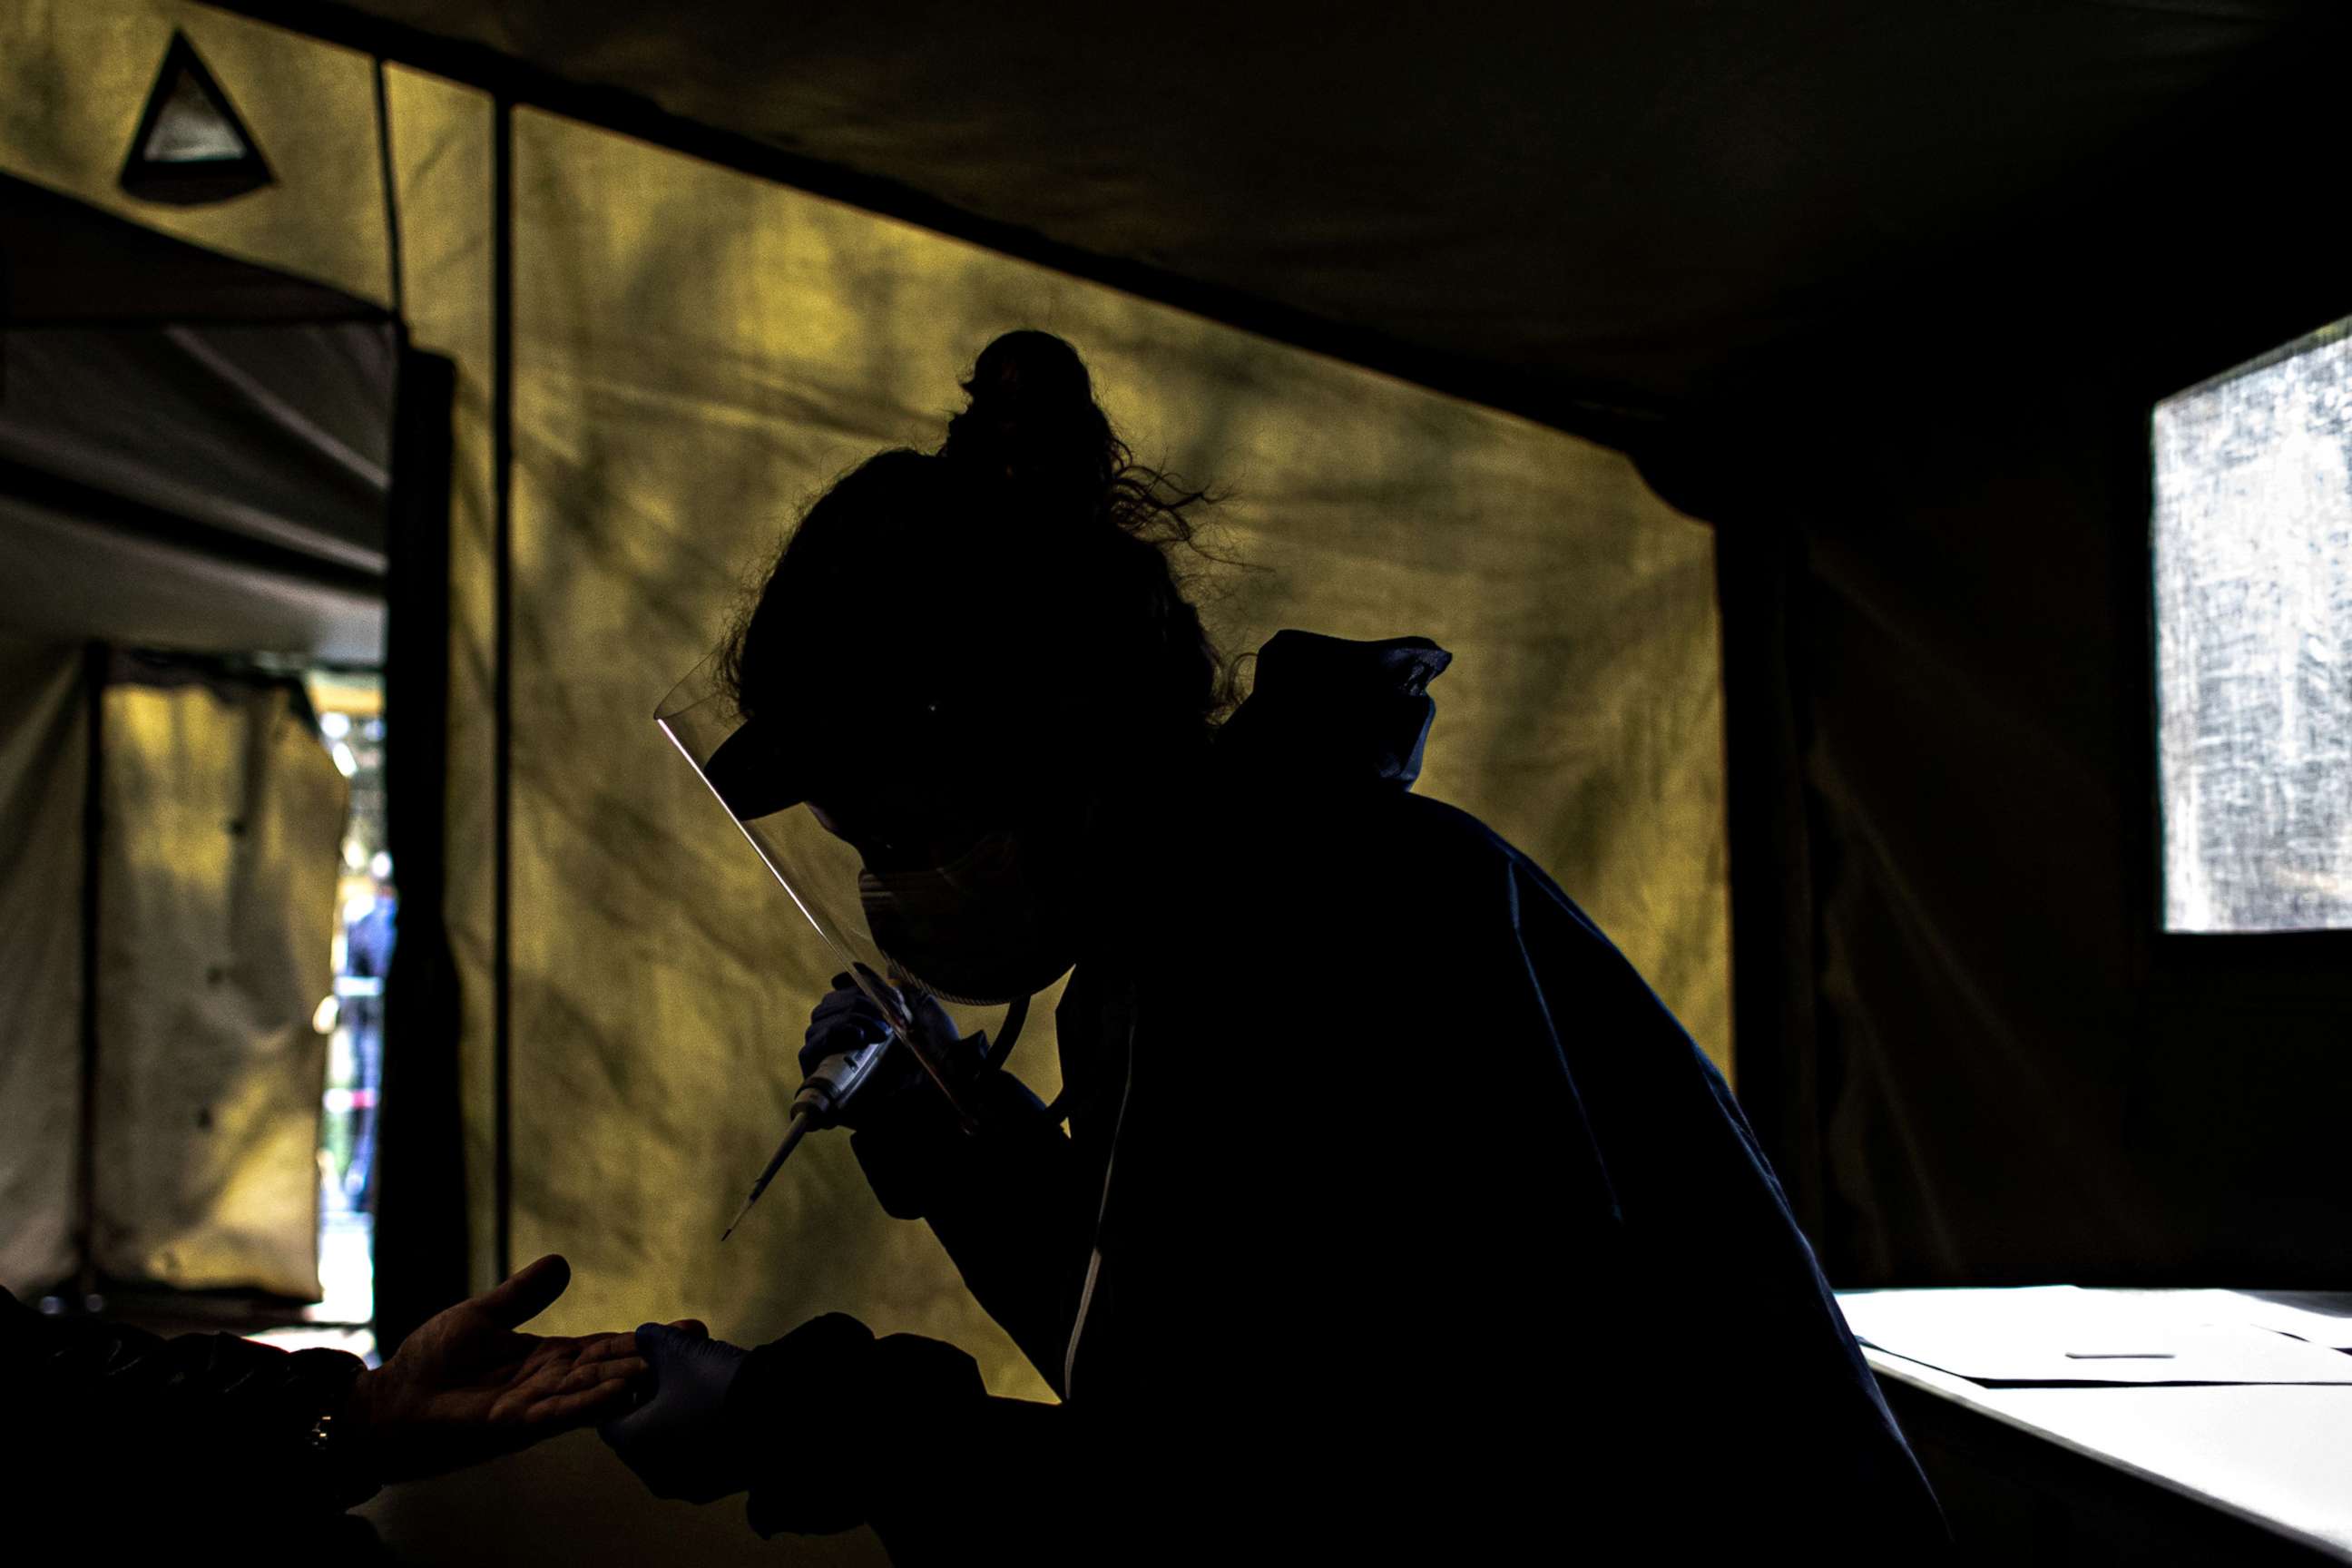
[2165, 1473]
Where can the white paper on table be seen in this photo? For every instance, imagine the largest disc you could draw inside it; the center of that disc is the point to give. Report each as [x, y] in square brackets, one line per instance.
[2322, 1316]
[2059, 1333]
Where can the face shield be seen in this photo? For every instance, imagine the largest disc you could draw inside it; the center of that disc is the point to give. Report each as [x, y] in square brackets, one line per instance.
[882, 837]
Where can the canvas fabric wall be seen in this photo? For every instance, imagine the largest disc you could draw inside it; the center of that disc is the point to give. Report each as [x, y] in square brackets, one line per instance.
[223, 828]
[73, 77]
[698, 353]
[44, 750]
[76, 74]
[220, 821]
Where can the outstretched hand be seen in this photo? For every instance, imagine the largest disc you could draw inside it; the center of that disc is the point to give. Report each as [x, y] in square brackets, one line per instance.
[467, 1386]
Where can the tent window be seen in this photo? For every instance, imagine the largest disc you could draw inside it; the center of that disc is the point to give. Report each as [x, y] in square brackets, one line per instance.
[191, 148]
[2253, 615]
[191, 128]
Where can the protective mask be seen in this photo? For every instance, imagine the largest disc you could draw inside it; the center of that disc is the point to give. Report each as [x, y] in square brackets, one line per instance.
[1008, 951]
[983, 929]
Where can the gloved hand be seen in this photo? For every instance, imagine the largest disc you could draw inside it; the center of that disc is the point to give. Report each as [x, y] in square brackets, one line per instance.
[676, 1440]
[846, 1018]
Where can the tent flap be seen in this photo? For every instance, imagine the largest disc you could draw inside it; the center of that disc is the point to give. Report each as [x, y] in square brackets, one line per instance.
[44, 747]
[223, 832]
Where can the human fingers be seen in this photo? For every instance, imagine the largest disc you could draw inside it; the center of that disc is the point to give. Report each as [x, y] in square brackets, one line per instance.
[848, 1011]
[606, 1347]
[607, 1378]
[622, 1369]
[579, 1407]
[842, 1021]
[660, 1343]
[526, 1293]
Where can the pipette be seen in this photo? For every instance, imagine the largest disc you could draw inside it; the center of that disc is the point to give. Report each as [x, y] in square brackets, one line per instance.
[823, 1094]
[840, 1076]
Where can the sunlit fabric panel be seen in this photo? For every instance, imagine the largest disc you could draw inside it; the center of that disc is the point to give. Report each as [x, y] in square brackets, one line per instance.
[43, 746]
[441, 141]
[2253, 619]
[698, 355]
[75, 75]
[222, 828]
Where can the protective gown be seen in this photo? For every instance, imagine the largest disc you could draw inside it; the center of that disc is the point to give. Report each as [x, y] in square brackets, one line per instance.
[1396, 1215]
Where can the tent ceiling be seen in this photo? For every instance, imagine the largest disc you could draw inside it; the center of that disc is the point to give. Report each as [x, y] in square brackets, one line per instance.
[193, 450]
[1601, 201]
[276, 435]
[68, 579]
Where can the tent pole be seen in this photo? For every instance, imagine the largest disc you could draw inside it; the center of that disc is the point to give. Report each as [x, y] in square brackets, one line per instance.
[503, 675]
[95, 660]
[390, 192]
[423, 1256]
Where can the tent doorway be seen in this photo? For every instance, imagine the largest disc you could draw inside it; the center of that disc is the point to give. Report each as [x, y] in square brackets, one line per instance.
[197, 462]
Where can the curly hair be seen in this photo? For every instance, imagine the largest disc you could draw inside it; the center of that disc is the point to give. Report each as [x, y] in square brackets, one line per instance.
[1030, 549]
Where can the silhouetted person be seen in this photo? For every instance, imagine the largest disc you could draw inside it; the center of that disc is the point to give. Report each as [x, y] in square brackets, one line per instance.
[1395, 1215]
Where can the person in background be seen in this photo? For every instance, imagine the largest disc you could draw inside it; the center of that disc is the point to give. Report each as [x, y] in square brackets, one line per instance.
[115, 1436]
[368, 944]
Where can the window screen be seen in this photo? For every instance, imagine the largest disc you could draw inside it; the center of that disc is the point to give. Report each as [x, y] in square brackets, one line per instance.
[2254, 614]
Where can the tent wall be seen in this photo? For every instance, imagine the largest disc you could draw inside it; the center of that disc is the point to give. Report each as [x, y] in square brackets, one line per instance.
[199, 482]
[74, 75]
[220, 823]
[2015, 1077]
[223, 829]
[44, 749]
[697, 352]
[422, 1258]
[1975, 1054]
[441, 146]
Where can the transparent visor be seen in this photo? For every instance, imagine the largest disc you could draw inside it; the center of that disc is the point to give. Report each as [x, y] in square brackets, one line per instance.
[819, 872]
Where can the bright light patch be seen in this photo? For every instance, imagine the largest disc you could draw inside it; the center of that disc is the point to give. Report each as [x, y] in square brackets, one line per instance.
[2253, 612]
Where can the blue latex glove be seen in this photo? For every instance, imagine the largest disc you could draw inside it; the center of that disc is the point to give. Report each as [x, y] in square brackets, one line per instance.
[846, 1018]
[676, 1440]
